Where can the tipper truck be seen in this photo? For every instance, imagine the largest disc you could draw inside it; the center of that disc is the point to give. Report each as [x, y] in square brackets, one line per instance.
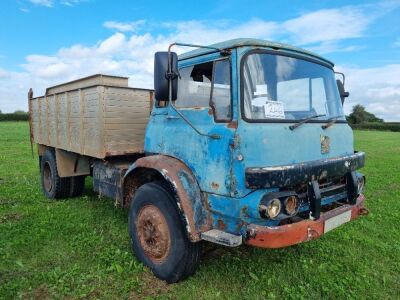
[240, 142]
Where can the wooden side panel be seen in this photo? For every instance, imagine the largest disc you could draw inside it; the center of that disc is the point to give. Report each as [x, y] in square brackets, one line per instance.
[126, 113]
[35, 119]
[92, 122]
[62, 121]
[43, 135]
[97, 121]
[74, 122]
[52, 120]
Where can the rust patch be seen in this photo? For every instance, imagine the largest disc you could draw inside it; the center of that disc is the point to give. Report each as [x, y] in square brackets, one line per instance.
[233, 124]
[302, 231]
[221, 224]
[153, 233]
[244, 212]
[170, 168]
[214, 185]
[325, 144]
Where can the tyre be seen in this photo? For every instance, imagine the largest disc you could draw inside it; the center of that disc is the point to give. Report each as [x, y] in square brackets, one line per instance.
[159, 238]
[77, 185]
[54, 187]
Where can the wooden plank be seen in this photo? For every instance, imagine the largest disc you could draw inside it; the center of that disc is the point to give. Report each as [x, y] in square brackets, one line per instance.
[47, 121]
[81, 128]
[133, 121]
[102, 146]
[40, 121]
[67, 96]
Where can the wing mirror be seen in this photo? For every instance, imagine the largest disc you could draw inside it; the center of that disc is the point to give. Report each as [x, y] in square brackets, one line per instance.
[165, 76]
[340, 84]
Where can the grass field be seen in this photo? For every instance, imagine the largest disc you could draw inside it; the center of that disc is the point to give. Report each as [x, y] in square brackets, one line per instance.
[79, 248]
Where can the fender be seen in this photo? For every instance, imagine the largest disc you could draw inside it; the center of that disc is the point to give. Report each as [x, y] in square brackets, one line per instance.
[191, 202]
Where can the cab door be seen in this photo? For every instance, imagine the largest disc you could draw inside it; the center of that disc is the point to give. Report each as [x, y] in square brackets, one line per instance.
[197, 127]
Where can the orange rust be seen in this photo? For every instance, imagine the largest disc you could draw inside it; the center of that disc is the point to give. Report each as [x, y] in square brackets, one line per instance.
[153, 233]
[214, 185]
[233, 124]
[291, 234]
[221, 224]
[172, 167]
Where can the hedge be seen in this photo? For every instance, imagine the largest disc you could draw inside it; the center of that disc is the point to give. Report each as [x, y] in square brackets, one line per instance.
[390, 126]
[14, 117]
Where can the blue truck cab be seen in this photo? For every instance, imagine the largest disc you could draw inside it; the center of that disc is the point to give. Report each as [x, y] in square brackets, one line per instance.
[252, 137]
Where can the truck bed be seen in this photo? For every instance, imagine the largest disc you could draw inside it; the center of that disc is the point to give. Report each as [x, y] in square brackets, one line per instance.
[98, 116]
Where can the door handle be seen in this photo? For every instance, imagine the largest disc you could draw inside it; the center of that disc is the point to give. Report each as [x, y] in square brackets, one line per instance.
[172, 117]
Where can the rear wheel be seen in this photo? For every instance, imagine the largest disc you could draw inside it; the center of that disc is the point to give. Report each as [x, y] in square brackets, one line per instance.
[158, 236]
[53, 185]
[77, 185]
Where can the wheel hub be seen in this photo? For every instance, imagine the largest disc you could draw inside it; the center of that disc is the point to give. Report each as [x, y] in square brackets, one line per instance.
[47, 177]
[153, 233]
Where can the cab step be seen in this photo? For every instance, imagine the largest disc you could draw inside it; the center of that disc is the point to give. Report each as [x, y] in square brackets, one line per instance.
[222, 238]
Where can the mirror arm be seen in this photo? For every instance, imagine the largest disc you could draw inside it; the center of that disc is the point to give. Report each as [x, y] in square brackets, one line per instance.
[342, 74]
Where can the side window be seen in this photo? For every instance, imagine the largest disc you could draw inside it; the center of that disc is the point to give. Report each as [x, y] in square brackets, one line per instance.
[221, 91]
[206, 84]
[194, 87]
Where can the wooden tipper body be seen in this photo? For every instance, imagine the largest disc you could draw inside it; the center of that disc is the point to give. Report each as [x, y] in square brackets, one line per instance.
[97, 116]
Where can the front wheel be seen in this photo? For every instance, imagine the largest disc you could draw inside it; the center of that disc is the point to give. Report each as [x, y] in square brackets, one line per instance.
[158, 236]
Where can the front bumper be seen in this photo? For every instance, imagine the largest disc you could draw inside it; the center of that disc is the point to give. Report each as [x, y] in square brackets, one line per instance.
[291, 234]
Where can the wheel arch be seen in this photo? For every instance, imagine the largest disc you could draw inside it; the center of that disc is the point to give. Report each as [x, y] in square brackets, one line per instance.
[191, 202]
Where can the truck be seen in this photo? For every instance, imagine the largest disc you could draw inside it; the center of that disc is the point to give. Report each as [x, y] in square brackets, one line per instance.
[242, 142]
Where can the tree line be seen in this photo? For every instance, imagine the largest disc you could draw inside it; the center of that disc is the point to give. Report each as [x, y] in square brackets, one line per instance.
[18, 115]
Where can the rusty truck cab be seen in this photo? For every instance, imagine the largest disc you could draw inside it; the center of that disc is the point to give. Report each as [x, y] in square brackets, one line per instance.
[260, 129]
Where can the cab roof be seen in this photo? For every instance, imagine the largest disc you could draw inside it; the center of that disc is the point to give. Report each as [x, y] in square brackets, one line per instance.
[242, 42]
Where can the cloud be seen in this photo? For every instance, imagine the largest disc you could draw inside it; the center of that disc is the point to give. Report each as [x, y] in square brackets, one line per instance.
[50, 3]
[124, 26]
[3, 74]
[46, 3]
[129, 52]
[72, 2]
[378, 89]
[328, 25]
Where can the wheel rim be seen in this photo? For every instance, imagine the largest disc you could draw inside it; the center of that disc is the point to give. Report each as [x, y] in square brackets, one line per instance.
[47, 177]
[153, 233]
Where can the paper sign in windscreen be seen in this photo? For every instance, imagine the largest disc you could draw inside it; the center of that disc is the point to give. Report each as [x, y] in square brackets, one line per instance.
[274, 110]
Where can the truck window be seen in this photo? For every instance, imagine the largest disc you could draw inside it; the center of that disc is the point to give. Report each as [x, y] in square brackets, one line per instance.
[204, 85]
[194, 87]
[221, 91]
[310, 99]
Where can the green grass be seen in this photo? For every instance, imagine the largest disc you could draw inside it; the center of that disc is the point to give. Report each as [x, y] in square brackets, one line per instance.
[79, 248]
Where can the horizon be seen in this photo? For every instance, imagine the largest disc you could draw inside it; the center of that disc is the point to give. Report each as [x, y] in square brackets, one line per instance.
[53, 42]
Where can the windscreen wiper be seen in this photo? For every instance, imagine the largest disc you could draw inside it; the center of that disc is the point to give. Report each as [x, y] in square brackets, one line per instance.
[331, 121]
[302, 121]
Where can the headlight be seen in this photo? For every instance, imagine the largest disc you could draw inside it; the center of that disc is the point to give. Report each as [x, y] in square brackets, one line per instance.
[361, 184]
[270, 209]
[291, 205]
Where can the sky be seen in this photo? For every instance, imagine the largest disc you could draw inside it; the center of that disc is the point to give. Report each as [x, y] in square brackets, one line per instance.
[47, 42]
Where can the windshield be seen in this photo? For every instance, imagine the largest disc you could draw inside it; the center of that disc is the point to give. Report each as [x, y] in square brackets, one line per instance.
[277, 87]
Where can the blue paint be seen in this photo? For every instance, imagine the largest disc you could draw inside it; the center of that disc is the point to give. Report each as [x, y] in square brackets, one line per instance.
[219, 164]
